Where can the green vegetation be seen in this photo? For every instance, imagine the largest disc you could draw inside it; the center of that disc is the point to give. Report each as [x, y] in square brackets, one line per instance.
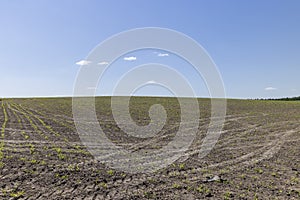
[111, 172]
[31, 148]
[176, 186]
[102, 184]
[17, 194]
[203, 190]
[59, 153]
[33, 125]
[287, 99]
[2, 133]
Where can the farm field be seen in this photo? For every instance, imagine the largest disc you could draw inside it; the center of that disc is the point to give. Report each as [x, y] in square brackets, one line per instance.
[256, 157]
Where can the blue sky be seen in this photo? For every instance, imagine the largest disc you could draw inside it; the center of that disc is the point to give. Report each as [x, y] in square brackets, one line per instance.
[255, 44]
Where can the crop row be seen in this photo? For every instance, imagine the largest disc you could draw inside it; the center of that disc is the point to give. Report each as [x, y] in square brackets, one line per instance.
[32, 124]
[49, 128]
[46, 116]
[3, 133]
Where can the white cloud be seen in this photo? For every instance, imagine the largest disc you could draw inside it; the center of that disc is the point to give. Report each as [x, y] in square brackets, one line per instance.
[294, 90]
[131, 58]
[103, 63]
[83, 62]
[270, 88]
[151, 82]
[163, 54]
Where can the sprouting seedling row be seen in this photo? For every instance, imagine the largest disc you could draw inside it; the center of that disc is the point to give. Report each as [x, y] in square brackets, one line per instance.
[55, 120]
[58, 112]
[70, 122]
[2, 133]
[49, 128]
[40, 120]
[52, 119]
[23, 133]
[32, 124]
[28, 115]
[5, 120]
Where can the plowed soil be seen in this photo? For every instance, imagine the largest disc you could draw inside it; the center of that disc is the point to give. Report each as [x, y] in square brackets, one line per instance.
[256, 157]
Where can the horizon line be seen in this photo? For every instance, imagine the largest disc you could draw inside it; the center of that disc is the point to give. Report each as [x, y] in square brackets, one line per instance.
[161, 96]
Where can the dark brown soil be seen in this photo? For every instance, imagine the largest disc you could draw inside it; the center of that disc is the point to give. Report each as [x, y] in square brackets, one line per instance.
[256, 157]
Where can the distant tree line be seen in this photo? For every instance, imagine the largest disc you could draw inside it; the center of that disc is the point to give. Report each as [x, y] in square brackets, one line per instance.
[283, 99]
